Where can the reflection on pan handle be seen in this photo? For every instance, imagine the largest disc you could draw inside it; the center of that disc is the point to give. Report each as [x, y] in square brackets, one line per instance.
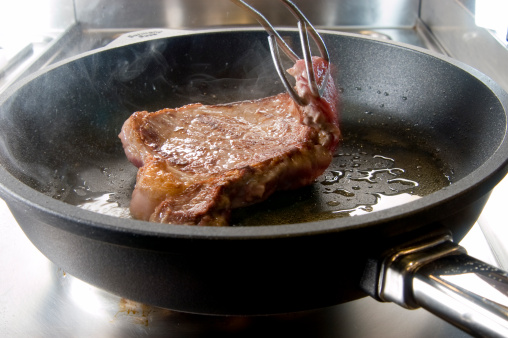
[439, 276]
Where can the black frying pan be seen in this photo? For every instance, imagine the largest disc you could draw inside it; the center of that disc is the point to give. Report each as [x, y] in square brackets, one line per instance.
[59, 145]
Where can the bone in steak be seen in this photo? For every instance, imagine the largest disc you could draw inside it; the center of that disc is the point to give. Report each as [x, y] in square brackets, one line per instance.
[199, 161]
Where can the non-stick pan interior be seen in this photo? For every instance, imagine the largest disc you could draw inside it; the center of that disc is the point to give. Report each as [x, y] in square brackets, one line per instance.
[58, 131]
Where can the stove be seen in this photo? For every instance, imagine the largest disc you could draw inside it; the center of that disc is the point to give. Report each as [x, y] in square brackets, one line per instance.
[40, 299]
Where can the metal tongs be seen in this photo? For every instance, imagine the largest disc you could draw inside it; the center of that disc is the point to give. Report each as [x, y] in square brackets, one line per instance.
[275, 40]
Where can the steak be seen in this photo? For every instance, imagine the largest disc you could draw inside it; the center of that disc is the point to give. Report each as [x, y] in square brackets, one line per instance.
[198, 162]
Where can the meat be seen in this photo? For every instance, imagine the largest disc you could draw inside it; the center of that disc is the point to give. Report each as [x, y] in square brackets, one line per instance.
[199, 161]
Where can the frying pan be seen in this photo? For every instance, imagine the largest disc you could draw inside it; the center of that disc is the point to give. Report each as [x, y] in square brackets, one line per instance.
[59, 141]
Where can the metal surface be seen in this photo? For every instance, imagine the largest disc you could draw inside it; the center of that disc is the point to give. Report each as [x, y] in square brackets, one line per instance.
[452, 24]
[37, 26]
[397, 270]
[466, 291]
[192, 14]
[439, 276]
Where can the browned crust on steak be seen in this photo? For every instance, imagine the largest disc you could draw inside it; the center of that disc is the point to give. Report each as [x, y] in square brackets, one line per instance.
[198, 162]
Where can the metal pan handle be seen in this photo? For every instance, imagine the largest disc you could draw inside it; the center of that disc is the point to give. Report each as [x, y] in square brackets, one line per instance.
[439, 276]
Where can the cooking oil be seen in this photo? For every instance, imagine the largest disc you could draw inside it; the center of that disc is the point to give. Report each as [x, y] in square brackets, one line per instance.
[371, 171]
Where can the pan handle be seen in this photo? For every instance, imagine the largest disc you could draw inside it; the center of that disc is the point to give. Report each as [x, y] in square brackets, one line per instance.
[439, 276]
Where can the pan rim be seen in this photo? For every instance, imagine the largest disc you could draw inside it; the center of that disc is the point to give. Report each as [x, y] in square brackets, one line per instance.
[95, 225]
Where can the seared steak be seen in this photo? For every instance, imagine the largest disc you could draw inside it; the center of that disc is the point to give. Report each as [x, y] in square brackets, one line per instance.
[199, 161]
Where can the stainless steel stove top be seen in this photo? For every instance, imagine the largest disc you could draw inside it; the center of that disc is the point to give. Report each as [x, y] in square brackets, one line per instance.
[39, 299]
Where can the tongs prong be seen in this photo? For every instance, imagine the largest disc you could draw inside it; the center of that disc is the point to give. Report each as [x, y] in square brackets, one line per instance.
[276, 41]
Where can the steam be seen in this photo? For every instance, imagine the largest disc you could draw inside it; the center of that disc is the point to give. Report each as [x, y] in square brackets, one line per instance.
[127, 70]
[60, 129]
[36, 175]
[175, 83]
